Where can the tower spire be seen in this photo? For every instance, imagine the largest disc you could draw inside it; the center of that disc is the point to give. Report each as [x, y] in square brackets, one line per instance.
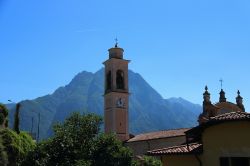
[239, 101]
[222, 93]
[206, 96]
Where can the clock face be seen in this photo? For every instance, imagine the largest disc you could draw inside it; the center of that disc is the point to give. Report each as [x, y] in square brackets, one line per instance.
[120, 102]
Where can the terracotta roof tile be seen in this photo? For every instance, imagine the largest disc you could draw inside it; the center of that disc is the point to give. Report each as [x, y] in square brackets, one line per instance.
[159, 134]
[231, 116]
[227, 117]
[181, 149]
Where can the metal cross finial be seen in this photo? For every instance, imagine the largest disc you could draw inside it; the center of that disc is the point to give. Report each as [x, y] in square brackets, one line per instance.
[221, 83]
[116, 42]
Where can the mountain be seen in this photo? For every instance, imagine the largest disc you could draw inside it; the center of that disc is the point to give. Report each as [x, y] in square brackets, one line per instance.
[148, 110]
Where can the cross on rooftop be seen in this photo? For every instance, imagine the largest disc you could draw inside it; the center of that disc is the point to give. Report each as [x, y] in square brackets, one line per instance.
[221, 83]
[116, 42]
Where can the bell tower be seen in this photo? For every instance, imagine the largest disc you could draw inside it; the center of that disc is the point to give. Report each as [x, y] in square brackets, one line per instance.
[116, 94]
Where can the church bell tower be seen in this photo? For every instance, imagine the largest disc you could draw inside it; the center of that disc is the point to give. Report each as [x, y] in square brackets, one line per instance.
[116, 94]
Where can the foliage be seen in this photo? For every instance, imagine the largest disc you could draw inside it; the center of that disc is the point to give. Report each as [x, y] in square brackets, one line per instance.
[3, 155]
[16, 146]
[3, 115]
[2, 118]
[82, 163]
[17, 119]
[76, 142]
[151, 161]
[4, 110]
[109, 151]
[135, 163]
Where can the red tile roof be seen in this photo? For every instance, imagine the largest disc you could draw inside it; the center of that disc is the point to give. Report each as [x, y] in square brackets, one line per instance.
[195, 133]
[181, 149]
[159, 134]
[231, 116]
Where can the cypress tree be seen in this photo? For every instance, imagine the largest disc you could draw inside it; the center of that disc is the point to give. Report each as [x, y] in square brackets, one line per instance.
[17, 119]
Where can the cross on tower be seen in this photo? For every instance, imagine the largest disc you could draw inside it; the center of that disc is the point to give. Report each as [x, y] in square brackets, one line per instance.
[221, 83]
[116, 42]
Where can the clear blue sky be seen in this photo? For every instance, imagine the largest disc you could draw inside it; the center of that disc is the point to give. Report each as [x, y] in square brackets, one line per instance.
[178, 46]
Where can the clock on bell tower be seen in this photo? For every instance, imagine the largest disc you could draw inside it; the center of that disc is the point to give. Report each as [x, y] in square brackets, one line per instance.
[116, 95]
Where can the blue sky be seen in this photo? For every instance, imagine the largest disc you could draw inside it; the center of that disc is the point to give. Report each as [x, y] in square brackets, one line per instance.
[178, 46]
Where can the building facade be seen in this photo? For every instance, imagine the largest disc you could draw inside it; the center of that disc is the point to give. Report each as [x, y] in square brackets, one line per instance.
[221, 107]
[221, 141]
[221, 138]
[144, 142]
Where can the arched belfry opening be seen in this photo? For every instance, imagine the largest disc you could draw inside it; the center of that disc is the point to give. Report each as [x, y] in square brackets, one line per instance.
[120, 79]
[108, 81]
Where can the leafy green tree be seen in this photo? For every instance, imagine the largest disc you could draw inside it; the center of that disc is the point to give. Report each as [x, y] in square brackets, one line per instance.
[82, 163]
[77, 142]
[109, 151]
[73, 141]
[16, 146]
[3, 155]
[151, 161]
[3, 116]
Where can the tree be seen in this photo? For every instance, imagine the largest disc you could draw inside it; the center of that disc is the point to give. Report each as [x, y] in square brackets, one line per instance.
[17, 119]
[109, 151]
[77, 142]
[3, 116]
[16, 145]
[3, 155]
[72, 141]
[151, 161]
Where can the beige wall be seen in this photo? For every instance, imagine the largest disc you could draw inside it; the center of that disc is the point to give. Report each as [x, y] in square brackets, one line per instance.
[180, 160]
[231, 139]
[141, 147]
[116, 117]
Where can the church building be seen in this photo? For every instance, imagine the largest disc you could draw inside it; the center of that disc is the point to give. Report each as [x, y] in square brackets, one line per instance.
[169, 144]
[116, 109]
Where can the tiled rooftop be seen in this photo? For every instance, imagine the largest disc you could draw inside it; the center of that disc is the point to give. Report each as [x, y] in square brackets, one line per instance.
[159, 134]
[231, 116]
[196, 147]
[181, 149]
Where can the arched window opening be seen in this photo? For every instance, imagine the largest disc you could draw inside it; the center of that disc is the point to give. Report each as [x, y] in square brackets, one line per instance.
[108, 81]
[120, 80]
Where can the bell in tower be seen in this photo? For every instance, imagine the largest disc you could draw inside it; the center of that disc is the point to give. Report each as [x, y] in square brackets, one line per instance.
[116, 95]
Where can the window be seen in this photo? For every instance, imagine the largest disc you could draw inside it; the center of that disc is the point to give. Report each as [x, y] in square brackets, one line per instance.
[224, 161]
[120, 80]
[108, 81]
[242, 161]
[235, 161]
